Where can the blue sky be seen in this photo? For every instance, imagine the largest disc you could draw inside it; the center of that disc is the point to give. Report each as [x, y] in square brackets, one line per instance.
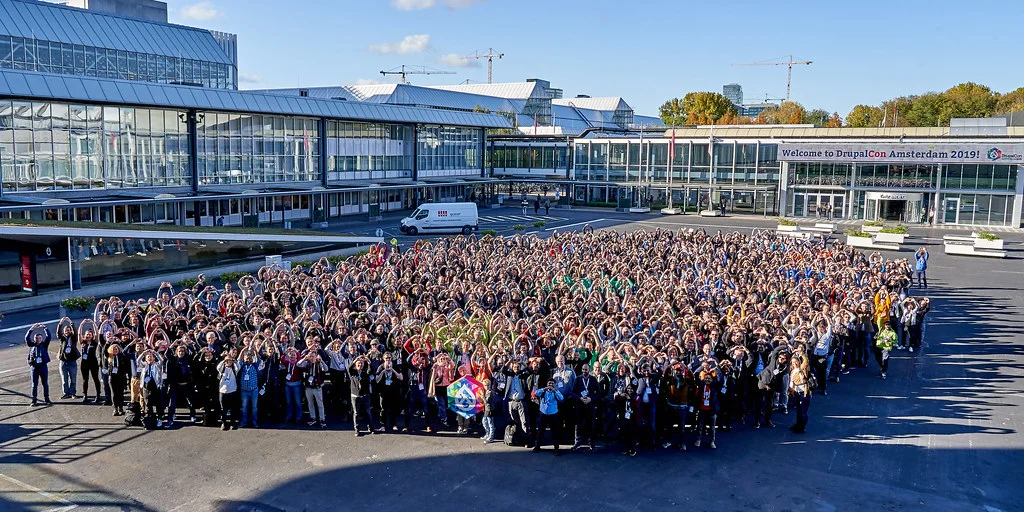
[646, 51]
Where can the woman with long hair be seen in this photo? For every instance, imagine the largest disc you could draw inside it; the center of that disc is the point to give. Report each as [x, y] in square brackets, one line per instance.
[801, 382]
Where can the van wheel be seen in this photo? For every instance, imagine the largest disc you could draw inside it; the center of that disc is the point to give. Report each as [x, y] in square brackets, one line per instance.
[466, 230]
[412, 231]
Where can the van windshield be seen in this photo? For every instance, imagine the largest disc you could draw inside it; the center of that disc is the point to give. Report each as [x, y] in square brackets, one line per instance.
[420, 214]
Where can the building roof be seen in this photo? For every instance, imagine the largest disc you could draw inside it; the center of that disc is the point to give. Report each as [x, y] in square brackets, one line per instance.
[51, 22]
[406, 94]
[32, 85]
[512, 90]
[609, 103]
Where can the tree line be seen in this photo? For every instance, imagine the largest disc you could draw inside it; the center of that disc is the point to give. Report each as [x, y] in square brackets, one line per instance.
[929, 109]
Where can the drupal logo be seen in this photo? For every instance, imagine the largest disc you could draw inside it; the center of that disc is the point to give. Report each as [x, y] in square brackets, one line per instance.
[994, 154]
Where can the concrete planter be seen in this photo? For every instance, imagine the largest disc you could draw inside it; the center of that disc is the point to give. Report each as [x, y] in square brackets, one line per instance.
[981, 243]
[871, 229]
[788, 228]
[858, 241]
[892, 238]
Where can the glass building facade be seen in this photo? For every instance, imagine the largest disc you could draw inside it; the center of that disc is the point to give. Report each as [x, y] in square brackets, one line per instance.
[62, 146]
[368, 150]
[243, 148]
[448, 150]
[76, 59]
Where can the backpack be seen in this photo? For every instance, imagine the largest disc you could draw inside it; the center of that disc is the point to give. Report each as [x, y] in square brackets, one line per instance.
[510, 435]
[132, 416]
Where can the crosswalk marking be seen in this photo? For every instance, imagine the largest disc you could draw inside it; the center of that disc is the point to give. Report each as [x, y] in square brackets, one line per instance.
[494, 219]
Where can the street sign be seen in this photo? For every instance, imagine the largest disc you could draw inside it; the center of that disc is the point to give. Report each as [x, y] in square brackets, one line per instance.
[380, 232]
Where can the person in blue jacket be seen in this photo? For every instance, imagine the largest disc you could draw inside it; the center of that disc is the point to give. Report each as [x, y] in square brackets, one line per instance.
[38, 361]
[921, 267]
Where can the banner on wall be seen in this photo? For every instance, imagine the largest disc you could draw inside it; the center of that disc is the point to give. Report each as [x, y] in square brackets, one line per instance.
[28, 273]
[904, 153]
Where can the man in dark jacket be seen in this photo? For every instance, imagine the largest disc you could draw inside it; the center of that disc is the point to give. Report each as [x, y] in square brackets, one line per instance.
[587, 393]
[68, 357]
[769, 382]
[359, 378]
[180, 383]
[707, 403]
[38, 361]
[517, 392]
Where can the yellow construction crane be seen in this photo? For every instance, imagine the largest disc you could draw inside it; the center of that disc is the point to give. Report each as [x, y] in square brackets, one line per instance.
[415, 70]
[490, 55]
[789, 64]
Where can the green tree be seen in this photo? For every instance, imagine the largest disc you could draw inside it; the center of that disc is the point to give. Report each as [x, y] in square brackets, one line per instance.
[672, 112]
[706, 107]
[895, 111]
[1012, 101]
[481, 110]
[927, 110]
[969, 100]
[864, 116]
[817, 116]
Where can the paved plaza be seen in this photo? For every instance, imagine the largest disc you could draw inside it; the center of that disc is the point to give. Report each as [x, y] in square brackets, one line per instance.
[942, 433]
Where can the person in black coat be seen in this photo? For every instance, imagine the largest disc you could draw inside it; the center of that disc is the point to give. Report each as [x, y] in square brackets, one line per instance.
[119, 367]
[707, 396]
[771, 381]
[180, 383]
[587, 393]
[38, 360]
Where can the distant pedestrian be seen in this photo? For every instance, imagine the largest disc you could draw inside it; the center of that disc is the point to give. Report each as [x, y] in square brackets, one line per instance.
[526, 204]
[536, 206]
[547, 207]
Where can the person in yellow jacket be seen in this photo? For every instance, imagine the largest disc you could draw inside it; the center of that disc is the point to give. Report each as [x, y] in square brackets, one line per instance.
[883, 304]
[885, 340]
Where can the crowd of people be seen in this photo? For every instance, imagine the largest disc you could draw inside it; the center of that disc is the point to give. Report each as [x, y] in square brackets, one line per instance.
[644, 339]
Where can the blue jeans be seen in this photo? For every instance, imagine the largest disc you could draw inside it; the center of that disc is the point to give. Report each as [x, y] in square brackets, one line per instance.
[489, 428]
[442, 405]
[417, 402]
[922, 278]
[69, 377]
[250, 407]
[40, 372]
[293, 401]
[802, 404]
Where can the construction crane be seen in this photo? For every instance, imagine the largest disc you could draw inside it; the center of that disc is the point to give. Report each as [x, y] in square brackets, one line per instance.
[769, 100]
[490, 55]
[404, 70]
[789, 73]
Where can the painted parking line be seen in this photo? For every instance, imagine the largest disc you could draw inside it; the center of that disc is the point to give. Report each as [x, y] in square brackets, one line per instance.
[26, 326]
[574, 225]
[67, 505]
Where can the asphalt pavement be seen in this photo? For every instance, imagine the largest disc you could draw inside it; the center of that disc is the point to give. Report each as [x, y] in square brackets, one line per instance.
[943, 432]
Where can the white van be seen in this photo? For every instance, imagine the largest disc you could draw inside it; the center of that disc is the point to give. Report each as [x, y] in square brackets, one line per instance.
[441, 218]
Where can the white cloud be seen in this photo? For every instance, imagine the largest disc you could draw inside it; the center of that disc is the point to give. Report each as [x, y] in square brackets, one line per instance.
[202, 11]
[413, 5]
[455, 60]
[461, 4]
[366, 81]
[249, 78]
[409, 44]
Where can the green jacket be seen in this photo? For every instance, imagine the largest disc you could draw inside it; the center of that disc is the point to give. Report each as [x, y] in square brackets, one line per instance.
[886, 339]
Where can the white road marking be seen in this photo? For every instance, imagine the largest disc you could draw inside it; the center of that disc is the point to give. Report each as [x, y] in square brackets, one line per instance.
[67, 504]
[26, 326]
[576, 224]
[1008, 271]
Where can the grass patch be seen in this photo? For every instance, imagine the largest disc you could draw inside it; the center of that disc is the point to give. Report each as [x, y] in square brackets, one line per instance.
[519, 227]
[489, 232]
[875, 223]
[786, 222]
[188, 282]
[539, 224]
[899, 230]
[232, 277]
[987, 235]
[857, 232]
[78, 303]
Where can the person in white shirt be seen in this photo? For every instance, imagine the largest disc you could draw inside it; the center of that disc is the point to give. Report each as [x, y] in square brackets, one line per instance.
[230, 402]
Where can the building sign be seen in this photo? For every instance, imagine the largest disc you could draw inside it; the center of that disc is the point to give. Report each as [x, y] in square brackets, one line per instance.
[904, 153]
[893, 196]
[28, 273]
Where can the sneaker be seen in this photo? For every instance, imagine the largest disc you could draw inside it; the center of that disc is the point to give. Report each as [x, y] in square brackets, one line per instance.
[911, 350]
[225, 427]
[160, 423]
[115, 413]
[697, 444]
[757, 426]
[255, 425]
[666, 445]
[35, 403]
[47, 402]
[682, 447]
[193, 418]
[712, 446]
[883, 375]
[323, 425]
[824, 392]
[169, 424]
[65, 396]
[85, 399]
[769, 424]
[359, 434]
[632, 453]
[311, 423]
[836, 379]
[846, 371]
[784, 410]
[75, 397]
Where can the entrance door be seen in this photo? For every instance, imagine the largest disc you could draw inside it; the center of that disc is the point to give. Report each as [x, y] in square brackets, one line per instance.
[892, 210]
[952, 207]
[837, 207]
